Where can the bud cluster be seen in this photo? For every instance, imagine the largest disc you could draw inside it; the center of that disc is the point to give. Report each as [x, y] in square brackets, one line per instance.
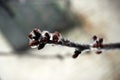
[97, 44]
[40, 39]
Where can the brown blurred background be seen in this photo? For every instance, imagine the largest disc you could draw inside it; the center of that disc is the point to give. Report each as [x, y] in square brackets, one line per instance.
[77, 20]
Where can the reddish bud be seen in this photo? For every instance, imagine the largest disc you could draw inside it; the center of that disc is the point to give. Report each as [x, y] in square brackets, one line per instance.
[33, 43]
[30, 36]
[36, 32]
[55, 38]
[94, 37]
[76, 53]
[95, 45]
[44, 40]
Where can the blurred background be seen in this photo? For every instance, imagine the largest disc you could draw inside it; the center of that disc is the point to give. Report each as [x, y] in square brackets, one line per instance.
[77, 20]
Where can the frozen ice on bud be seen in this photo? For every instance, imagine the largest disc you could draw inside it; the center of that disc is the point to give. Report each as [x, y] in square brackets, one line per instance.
[44, 33]
[47, 35]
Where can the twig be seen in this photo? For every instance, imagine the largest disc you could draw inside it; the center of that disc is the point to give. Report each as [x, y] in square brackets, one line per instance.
[40, 39]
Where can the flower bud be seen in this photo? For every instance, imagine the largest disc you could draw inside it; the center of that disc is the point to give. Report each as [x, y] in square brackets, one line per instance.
[76, 53]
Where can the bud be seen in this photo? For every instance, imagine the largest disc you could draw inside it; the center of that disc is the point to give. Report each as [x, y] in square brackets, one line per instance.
[76, 53]
[56, 36]
[100, 40]
[30, 36]
[95, 45]
[94, 37]
[41, 45]
[47, 35]
[37, 32]
[33, 43]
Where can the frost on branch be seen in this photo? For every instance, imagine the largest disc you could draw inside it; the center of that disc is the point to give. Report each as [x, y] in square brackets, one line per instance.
[38, 39]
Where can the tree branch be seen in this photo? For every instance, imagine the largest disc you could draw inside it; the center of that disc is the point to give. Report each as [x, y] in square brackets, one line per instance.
[40, 39]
